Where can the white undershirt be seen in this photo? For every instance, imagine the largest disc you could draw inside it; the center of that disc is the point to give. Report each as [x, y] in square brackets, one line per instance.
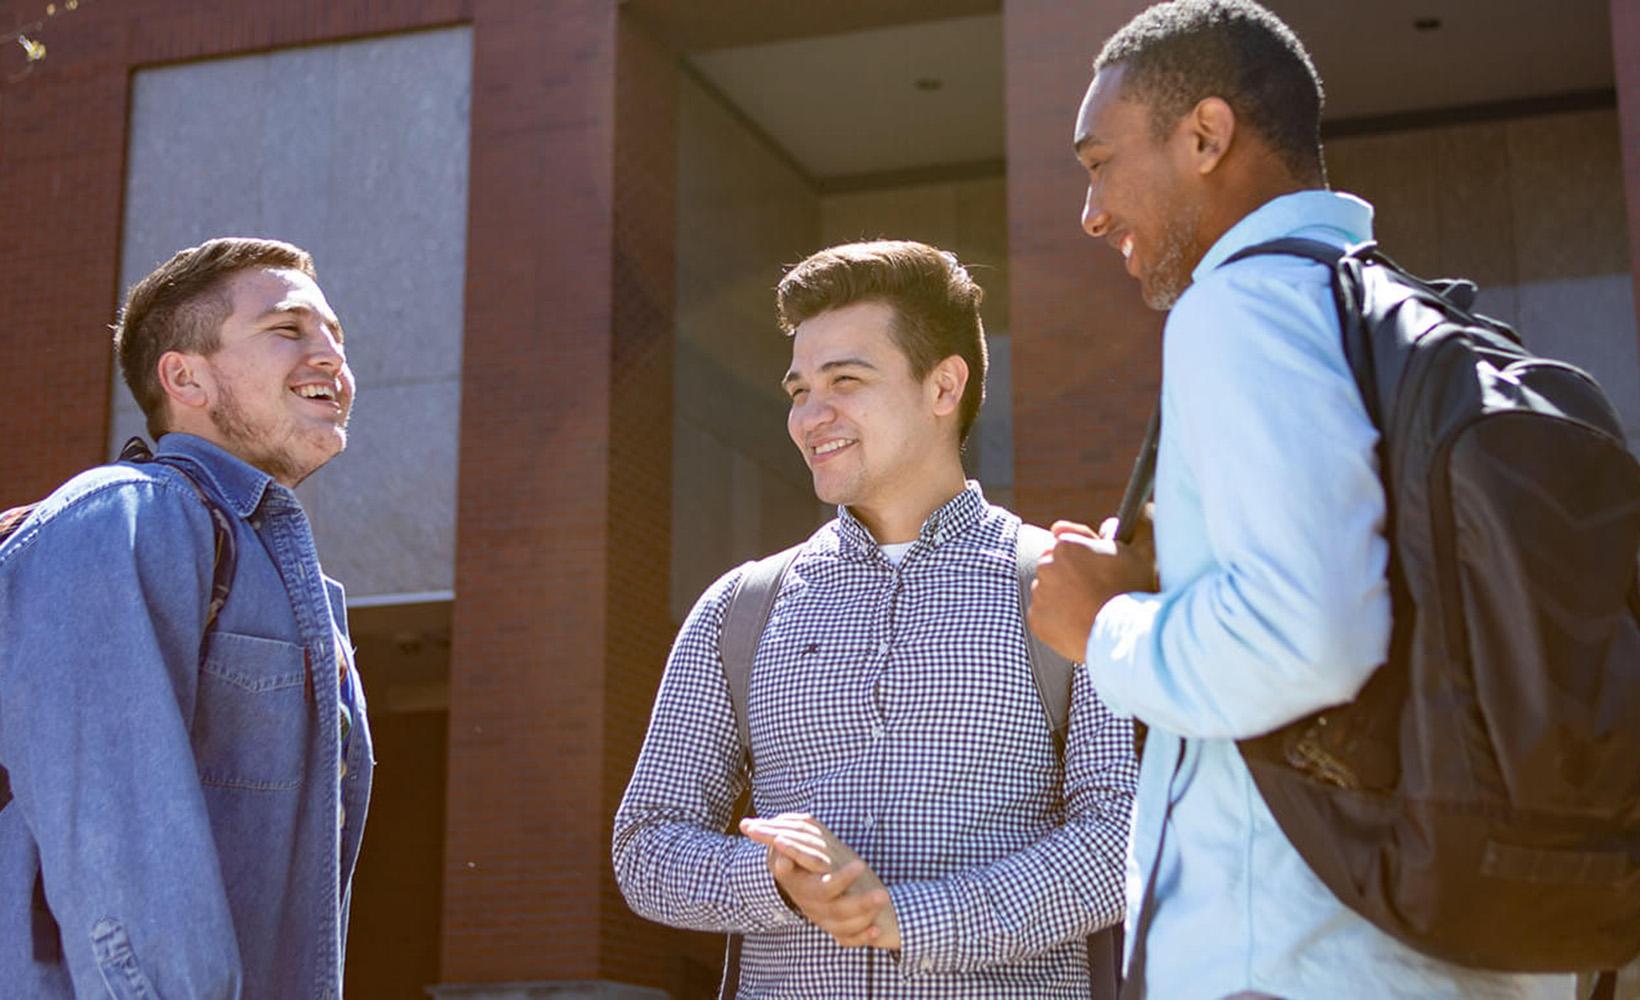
[894, 553]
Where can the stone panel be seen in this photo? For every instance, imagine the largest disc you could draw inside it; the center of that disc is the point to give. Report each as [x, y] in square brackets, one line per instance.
[358, 153]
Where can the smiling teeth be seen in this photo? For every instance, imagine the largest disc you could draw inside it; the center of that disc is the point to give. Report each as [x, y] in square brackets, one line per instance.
[1127, 247]
[831, 446]
[315, 392]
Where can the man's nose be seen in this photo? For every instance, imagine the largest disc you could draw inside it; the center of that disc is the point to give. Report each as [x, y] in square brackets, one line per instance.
[327, 351]
[1094, 220]
[814, 412]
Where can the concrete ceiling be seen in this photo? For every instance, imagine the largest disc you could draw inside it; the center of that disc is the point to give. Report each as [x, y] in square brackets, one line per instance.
[930, 94]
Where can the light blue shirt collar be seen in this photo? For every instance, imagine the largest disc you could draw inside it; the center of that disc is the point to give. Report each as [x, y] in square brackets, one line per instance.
[1329, 215]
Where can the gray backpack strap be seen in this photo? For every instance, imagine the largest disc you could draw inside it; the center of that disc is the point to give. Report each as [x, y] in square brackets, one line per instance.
[1051, 671]
[743, 629]
[1052, 674]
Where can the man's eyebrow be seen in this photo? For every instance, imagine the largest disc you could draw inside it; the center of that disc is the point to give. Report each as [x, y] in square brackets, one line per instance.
[792, 376]
[284, 308]
[1081, 145]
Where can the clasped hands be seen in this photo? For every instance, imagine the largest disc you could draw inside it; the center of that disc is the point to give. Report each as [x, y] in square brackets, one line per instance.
[1083, 571]
[830, 884]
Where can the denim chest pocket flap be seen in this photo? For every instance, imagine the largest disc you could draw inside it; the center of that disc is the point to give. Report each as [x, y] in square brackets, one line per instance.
[249, 720]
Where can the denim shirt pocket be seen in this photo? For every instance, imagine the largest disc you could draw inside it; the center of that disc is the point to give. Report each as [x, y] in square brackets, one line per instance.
[250, 707]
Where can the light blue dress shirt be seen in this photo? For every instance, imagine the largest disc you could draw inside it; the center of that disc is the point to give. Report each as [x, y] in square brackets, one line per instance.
[1274, 604]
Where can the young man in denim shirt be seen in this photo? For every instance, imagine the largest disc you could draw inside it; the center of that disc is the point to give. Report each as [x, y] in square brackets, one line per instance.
[188, 795]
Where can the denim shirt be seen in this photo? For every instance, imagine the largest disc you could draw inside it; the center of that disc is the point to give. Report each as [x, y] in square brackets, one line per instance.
[179, 789]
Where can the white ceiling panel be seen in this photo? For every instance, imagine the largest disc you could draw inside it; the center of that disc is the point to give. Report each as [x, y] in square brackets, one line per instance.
[850, 104]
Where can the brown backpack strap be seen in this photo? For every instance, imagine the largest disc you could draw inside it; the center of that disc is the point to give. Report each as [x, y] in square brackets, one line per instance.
[743, 625]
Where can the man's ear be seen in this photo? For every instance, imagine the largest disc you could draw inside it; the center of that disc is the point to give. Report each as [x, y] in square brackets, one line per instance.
[183, 378]
[1212, 128]
[946, 381]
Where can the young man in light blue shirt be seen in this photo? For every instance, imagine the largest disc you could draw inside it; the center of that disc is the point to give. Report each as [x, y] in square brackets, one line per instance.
[1200, 136]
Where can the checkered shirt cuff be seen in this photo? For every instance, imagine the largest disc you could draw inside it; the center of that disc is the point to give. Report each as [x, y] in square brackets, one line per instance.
[929, 935]
[754, 888]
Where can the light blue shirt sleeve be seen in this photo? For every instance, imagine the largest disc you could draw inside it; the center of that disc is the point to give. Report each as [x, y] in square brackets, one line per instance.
[1285, 609]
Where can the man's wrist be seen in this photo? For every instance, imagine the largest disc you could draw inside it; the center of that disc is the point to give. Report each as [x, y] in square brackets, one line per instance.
[756, 889]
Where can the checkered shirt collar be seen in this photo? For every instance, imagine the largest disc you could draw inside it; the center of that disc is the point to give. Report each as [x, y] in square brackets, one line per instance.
[953, 517]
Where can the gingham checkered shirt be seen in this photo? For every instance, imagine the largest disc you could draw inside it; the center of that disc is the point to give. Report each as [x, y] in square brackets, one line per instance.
[896, 705]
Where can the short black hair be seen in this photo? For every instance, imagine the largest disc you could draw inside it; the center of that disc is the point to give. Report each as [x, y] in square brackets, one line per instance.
[1176, 54]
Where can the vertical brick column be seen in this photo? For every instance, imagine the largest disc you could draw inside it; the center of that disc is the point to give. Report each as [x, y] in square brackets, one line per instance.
[560, 623]
[638, 631]
[1086, 350]
[62, 146]
[1626, 60]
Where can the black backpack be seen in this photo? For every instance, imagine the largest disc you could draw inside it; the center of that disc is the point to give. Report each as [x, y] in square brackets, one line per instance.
[47, 942]
[1480, 799]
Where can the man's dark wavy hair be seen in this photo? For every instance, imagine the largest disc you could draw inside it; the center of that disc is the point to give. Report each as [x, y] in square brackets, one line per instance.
[1176, 54]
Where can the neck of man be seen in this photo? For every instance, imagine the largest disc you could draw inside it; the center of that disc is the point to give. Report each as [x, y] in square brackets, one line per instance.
[1260, 178]
[898, 514]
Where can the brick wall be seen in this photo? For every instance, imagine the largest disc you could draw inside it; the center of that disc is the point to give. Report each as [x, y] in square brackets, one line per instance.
[1086, 351]
[563, 513]
[526, 718]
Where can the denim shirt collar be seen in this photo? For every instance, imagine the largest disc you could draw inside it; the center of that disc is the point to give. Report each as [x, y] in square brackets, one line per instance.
[239, 484]
[953, 517]
[1327, 215]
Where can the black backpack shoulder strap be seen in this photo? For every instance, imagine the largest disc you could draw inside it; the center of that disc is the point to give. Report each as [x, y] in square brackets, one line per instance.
[1349, 291]
[1051, 671]
[743, 625]
[1291, 246]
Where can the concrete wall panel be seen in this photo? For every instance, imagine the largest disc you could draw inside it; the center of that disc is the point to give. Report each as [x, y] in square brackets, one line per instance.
[357, 152]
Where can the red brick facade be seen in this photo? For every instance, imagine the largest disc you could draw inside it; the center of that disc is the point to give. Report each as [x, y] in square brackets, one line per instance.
[1086, 350]
[563, 522]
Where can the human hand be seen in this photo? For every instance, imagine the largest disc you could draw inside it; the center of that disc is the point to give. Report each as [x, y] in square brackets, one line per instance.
[830, 884]
[1081, 572]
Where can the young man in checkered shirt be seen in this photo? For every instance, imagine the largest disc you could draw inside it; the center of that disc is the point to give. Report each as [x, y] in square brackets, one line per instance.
[918, 833]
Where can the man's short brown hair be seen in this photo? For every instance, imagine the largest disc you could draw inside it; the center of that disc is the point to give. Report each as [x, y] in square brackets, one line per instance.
[182, 305]
[935, 303]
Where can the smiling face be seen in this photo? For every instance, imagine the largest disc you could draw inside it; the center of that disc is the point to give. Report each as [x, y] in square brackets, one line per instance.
[873, 434]
[1141, 199]
[278, 391]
